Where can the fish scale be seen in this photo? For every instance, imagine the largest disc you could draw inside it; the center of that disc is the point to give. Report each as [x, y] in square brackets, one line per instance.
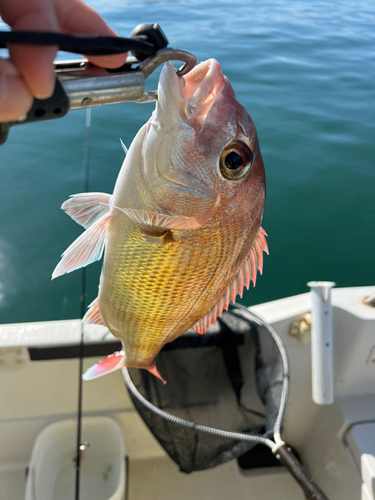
[165, 299]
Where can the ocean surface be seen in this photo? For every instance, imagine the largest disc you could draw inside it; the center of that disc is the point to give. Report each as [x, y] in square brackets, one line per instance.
[305, 71]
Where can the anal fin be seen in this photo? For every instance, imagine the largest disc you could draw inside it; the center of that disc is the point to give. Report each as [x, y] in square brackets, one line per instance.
[93, 315]
[114, 362]
[110, 364]
[246, 274]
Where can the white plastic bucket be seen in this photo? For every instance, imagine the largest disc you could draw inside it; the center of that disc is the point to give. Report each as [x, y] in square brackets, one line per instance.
[52, 467]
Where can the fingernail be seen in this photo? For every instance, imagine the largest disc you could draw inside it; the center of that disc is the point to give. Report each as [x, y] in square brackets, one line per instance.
[45, 95]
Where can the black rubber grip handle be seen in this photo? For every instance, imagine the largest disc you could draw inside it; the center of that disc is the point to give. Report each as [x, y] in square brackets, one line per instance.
[308, 485]
[55, 106]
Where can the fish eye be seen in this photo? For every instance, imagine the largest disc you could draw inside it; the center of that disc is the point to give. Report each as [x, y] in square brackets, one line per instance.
[236, 160]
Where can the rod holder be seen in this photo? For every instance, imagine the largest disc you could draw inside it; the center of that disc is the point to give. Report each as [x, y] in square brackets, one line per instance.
[322, 342]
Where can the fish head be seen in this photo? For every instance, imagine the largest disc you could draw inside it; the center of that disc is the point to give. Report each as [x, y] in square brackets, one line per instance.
[201, 142]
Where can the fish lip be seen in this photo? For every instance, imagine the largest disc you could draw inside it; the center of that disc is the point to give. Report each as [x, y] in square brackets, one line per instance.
[210, 81]
[195, 92]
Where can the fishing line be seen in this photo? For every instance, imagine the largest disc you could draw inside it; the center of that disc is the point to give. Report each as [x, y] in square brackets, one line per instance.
[86, 169]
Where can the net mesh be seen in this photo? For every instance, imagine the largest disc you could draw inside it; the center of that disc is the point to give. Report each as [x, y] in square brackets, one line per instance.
[230, 379]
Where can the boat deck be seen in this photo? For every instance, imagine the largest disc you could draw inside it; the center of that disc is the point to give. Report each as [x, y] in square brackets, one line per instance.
[39, 373]
[159, 478]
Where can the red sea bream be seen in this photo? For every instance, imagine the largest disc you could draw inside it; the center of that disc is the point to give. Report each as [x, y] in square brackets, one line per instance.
[181, 231]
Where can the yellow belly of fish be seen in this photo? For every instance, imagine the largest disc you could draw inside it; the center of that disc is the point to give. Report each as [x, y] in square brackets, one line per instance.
[153, 289]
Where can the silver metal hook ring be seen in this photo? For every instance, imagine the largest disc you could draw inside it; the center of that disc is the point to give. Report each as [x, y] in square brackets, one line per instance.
[150, 64]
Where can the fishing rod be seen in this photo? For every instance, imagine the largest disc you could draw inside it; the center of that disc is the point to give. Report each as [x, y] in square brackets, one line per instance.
[81, 446]
[82, 85]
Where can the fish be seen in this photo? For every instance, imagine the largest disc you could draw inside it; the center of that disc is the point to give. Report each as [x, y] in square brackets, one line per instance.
[182, 230]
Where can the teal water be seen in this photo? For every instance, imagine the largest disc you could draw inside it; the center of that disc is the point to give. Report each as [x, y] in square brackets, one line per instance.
[305, 71]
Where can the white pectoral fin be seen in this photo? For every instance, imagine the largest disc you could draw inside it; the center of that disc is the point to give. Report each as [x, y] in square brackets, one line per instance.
[86, 249]
[156, 220]
[87, 208]
[246, 274]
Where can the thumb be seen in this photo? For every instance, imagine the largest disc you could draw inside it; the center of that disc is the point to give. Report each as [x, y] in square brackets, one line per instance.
[15, 98]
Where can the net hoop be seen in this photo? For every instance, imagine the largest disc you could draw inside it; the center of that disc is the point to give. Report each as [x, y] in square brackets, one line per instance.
[219, 432]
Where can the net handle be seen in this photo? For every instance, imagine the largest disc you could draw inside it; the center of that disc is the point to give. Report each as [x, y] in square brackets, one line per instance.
[308, 485]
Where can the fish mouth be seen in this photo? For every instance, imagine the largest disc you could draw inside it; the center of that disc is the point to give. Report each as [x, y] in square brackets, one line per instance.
[200, 87]
[195, 92]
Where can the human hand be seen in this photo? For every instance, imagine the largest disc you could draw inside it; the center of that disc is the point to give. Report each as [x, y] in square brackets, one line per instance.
[30, 73]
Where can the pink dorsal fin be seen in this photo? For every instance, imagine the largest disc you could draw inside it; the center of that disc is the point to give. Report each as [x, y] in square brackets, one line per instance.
[93, 315]
[253, 265]
[176, 222]
[246, 274]
[86, 249]
[86, 208]
[261, 235]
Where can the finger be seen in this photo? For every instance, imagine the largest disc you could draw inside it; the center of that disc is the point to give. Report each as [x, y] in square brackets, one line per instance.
[15, 98]
[34, 62]
[77, 17]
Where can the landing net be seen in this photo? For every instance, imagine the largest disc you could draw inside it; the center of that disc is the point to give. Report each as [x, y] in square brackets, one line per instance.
[226, 391]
